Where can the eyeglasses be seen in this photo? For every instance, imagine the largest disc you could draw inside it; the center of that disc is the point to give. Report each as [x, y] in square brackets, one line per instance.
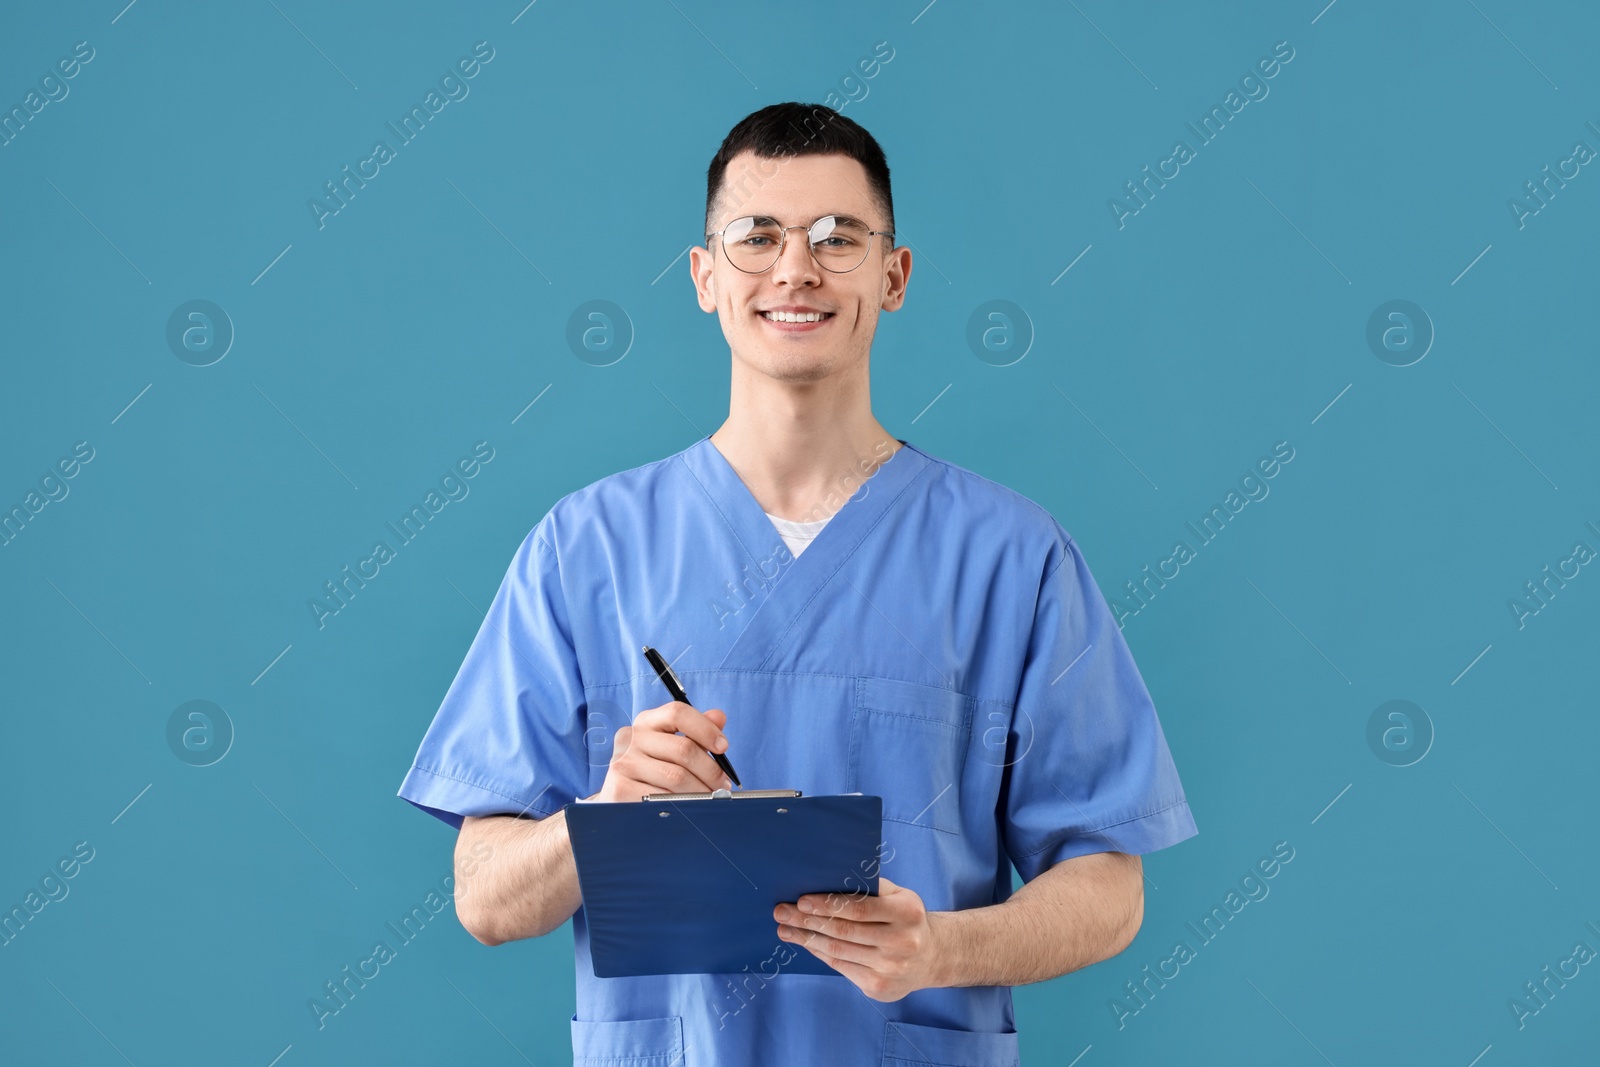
[838, 243]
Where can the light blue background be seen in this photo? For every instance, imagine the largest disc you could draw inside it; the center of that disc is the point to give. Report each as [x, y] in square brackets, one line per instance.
[1226, 316]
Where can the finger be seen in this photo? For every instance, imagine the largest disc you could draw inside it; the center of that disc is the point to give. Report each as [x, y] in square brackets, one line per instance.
[663, 719]
[851, 906]
[821, 944]
[686, 753]
[674, 761]
[705, 727]
[872, 934]
[655, 776]
[678, 717]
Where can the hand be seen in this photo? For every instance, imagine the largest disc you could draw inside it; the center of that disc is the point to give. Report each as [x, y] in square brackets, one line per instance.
[664, 751]
[885, 944]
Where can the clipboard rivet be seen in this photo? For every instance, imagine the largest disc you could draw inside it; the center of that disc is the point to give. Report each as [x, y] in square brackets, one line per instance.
[782, 810]
[663, 814]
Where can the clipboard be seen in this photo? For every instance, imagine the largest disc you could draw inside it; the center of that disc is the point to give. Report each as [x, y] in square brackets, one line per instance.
[685, 883]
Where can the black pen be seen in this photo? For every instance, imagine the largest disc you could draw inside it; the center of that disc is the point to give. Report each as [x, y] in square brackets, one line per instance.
[670, 680]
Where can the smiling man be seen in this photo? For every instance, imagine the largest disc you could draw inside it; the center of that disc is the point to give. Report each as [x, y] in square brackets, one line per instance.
[890, 623]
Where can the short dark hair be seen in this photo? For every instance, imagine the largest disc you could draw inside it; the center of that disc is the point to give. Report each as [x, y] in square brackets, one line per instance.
[784, 130]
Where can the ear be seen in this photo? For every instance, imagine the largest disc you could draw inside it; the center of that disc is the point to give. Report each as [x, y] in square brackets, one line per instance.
[700, 270]
[897, 275]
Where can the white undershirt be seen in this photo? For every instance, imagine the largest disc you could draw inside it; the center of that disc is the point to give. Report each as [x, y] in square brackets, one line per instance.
[797, 535]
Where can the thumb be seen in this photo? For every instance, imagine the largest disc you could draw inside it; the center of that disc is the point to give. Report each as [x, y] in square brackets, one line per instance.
[718, 716]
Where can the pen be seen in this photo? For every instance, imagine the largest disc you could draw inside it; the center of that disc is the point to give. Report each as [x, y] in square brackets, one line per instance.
[670, 680]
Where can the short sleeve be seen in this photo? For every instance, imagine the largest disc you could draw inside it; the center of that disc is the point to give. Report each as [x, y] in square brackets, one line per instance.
[509, 735]
[1091, 771]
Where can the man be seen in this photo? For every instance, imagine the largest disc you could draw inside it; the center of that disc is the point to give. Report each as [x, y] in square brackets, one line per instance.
[938, 641]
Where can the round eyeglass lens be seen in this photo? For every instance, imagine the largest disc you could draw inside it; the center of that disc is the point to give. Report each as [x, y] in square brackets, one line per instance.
[752, 243]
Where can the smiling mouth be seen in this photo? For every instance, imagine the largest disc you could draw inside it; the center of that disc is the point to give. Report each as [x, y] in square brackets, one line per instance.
[797, 316]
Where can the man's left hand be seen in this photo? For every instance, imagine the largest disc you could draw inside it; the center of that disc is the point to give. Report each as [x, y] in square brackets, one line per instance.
[887, 945]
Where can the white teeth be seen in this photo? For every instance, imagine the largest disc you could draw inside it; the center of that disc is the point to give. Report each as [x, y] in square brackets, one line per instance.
[792, 316]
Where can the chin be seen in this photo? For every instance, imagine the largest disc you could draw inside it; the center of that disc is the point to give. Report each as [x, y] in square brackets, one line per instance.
[798, 370]
[792, 366]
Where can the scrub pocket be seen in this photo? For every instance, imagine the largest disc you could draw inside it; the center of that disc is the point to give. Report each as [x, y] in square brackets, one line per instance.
[908, 744]
[628, 1042]
[910, 1045]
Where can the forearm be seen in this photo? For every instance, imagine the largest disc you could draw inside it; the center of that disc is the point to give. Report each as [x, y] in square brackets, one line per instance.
[1077, 913]
[515, 878]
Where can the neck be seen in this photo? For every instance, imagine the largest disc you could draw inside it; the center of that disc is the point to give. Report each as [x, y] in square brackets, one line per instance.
[802, 448]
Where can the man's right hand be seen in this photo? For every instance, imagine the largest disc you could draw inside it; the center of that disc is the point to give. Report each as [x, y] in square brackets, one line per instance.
[665, 751]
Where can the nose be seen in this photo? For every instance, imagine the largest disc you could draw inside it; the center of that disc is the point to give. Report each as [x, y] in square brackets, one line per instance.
[796, 265]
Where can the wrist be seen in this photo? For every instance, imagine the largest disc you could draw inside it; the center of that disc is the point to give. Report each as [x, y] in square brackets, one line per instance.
[941, 949]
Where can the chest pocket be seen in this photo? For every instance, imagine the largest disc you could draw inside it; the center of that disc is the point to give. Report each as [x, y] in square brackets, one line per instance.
[908, 744]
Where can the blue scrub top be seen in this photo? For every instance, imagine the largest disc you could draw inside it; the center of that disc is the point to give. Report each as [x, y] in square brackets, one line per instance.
[941, 644]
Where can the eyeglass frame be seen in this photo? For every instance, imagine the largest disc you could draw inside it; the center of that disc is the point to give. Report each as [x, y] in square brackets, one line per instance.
[783, 239]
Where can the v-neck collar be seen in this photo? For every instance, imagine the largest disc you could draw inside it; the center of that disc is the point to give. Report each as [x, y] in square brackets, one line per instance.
[804, 576]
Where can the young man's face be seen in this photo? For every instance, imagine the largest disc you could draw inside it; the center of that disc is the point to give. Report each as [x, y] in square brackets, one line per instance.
[796, 192]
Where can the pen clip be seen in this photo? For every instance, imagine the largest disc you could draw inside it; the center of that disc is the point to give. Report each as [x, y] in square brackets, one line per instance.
[672, 674]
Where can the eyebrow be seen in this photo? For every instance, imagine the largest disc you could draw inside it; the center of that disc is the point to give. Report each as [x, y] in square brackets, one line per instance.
[840, 215]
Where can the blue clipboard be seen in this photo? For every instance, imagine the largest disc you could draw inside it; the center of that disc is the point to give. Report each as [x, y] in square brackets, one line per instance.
[686, 883]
